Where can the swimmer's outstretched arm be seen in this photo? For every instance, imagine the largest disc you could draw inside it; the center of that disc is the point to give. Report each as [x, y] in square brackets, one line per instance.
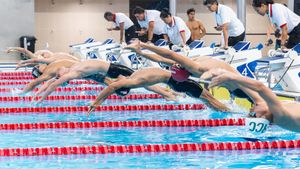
[21, 50]
[37, 61]
[281, 116]
[45, 86]
[29, 87]
[110, 89]
[215, 103]
[135, 47]
[187, 63]
[58, 82]
[32, 62]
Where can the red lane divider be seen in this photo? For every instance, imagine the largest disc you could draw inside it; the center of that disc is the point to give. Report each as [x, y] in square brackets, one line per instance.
[83, 97]
[16, 78]
[61, 89]
[150, 148]
[71, 82]
[15, 74]
[102, 108]
[153, 123]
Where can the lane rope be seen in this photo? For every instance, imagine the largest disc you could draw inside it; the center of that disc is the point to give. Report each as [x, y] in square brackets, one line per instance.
[73, 82]
[150, 148]
[81, 97]
[145, 123]
[70, 109]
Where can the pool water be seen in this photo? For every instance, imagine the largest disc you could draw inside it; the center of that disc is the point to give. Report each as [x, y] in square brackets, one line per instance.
[278, 158]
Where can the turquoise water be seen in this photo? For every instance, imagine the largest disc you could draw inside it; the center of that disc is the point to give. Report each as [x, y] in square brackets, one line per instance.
[282, 158]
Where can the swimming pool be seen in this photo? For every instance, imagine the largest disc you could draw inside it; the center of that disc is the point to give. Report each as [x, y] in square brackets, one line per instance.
[131, 135]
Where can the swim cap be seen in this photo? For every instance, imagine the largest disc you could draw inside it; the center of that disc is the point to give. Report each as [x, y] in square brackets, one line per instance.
[179, 74]
[257, 125]
[36, 72]
[123, 91]
[64, 84]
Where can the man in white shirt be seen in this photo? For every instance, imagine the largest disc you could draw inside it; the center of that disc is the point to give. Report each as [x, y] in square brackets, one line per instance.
[122, 23]
[227, 21]
[175, 29]
[283, 18]
[150, 22]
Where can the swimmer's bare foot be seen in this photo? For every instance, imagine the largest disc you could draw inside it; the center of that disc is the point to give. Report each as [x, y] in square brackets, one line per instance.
[171, 98]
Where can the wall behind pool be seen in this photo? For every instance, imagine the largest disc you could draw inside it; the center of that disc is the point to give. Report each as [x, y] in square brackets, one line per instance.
[68, 22]
[65, 22]
[17, 19]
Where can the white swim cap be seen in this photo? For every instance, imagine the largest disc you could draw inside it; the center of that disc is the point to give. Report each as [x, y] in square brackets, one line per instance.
[257, 125]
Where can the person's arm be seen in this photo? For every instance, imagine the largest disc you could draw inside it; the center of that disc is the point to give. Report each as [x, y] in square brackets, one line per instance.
[51, 88]
[225, 34]
[150, 31]
[110, 89]
[215, 103]
[121, 32]
[45, 86]
[288, 119]
[203, 30]
[183, 37]
[29, 87]
[32, 62]
[37, 61]
[166, 37]
[274, 105]
[21, 50]
[284, 36]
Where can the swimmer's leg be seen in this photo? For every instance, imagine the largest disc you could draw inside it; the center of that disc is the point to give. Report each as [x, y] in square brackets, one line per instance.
[193, 67]
[165, 93]
[206, 95]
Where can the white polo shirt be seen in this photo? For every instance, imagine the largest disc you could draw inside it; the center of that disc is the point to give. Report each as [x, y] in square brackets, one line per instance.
[227, 15]
[281, 16]
[173, 32]
[122, 18]
[153, 16]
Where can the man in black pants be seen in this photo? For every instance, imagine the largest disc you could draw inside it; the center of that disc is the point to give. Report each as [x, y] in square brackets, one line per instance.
[121, 23]
[283, 18]
[150, 22]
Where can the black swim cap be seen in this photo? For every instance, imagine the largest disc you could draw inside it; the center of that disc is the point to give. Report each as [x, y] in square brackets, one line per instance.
[122, 92]
[36, 72]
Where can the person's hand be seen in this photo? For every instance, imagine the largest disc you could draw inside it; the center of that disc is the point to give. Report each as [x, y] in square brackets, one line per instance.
[142, 32]
[220, 76]
[149, 42]
[12, 49]
[109, 29]
[284, 49]
[219, 28]
[224, 48]
[92, 108]
[269, 42]
[122, 41]
[186, 49]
